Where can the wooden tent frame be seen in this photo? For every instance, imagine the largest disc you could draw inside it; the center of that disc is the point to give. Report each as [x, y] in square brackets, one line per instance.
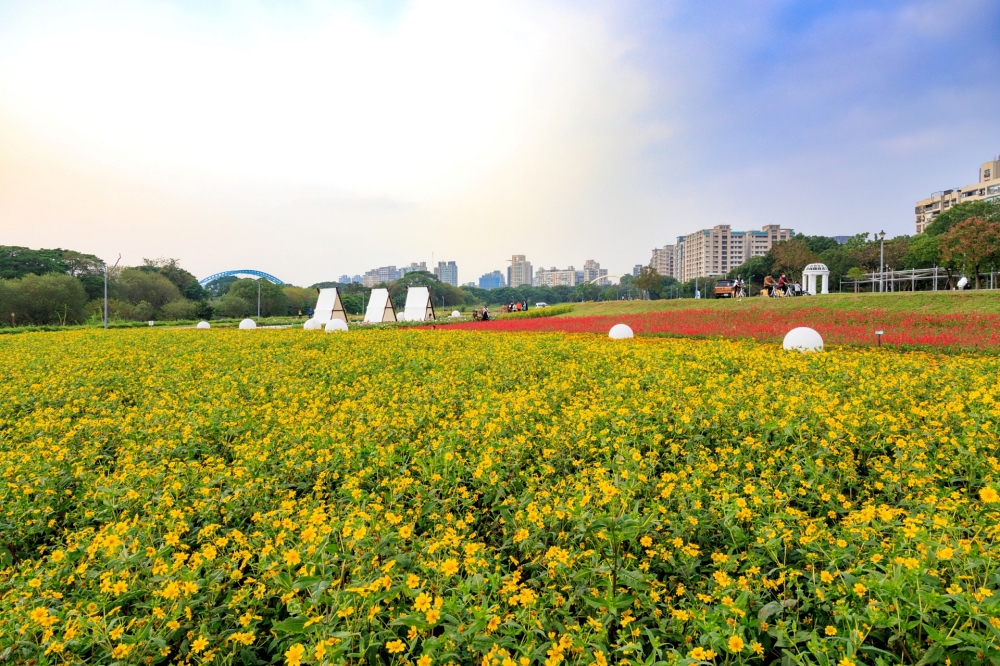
[412, 294]
[329, 306]
[376, 314]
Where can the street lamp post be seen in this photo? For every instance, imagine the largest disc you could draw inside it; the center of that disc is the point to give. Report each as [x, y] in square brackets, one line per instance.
[881, 261]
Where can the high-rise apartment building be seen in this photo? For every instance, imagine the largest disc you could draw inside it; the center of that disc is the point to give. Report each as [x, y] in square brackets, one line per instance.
[377, 276]
[663, 260]
[414, 266]
[636, 270]
[344, 279]
[555, 277]
[987, 189]
[447, 272]
[492, 280]
[519, 272]
[714, 252]
[592, 270]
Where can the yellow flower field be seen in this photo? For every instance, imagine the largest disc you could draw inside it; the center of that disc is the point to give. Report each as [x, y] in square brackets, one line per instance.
[433, 497]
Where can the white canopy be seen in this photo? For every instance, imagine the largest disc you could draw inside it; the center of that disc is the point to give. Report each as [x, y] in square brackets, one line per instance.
[379, 308]
[418, 304]
[328, 306]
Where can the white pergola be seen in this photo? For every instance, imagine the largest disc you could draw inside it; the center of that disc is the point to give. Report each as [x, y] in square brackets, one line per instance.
[811, 276]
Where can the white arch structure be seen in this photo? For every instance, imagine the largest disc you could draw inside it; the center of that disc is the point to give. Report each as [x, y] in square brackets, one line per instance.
[811, 276]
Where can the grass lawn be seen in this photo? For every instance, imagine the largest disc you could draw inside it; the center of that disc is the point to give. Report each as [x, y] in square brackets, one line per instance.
[928, 302]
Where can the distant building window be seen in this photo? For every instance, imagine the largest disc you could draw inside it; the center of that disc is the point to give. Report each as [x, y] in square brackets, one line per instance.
[986, 174]
[993, 189]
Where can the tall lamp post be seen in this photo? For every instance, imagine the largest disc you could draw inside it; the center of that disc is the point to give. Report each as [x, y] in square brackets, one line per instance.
[881, 261]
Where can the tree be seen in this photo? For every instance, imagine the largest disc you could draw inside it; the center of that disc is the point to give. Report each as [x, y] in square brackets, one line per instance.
[273, 301]
[818, 244]
[923, 252]
[984, 210]
[16, 262]
[52, 298]
[791, 256]
[587, 291]
[649, 280]
[754, 269]
[136, 285]
[302, 300]
[170, 269]
[973, 243]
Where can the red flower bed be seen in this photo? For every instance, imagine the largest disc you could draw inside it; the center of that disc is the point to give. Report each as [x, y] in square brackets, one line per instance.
[836, 326]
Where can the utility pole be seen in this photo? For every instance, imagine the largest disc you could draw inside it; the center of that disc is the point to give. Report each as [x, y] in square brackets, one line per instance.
[258, 299]
[106, 291]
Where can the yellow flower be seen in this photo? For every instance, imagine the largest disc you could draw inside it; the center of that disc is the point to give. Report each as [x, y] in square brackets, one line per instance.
[199, 644]
[35, 582]
[433, 615]
[292, 557]
[405, 531]
[599, 658]
[422, 602]
[989, 495]
[413, 581]
[945, 553]
[860, 589]
[293, 655]
[450, 567]
[826, 576]
[395, 647]
[830, 630]
[735, 644]
[119, 588]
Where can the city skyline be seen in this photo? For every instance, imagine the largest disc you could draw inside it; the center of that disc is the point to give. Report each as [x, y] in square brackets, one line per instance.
[296, 137]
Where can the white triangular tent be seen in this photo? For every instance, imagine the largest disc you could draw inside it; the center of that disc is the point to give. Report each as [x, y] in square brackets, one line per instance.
[418, 304]
[379, 308]
[328, 306]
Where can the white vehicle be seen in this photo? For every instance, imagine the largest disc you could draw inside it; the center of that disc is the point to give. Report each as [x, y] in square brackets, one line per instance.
[541, 305]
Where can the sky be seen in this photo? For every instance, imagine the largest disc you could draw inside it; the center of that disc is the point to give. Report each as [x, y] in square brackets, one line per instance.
[312, 139]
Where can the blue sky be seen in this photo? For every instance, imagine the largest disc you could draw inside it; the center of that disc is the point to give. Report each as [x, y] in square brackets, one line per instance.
[313, 139]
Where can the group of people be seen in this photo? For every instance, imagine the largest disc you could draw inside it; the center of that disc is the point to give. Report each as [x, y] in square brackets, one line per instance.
[781, 287]
[484, 314]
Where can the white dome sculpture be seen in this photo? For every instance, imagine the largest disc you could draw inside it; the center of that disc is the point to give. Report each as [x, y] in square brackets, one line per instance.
[248, 324]
[203, 324]
[455, 314]
[620, 332]
[310, 324]
[336, 325]
[811, 275]
[803, 339]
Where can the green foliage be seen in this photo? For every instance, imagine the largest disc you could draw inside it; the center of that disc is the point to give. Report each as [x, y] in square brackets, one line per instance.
[16, 262]
[273, 301]
[135, 285]
[986, 210]
[52, 298]
[353, 303]
[818, 244]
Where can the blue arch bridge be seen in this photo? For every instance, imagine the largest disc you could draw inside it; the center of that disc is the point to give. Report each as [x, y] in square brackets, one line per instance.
[243, 271]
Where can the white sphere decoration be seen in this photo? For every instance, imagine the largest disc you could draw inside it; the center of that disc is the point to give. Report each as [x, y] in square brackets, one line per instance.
[620, 332]
[336, 325]
[248, 324]
[455, 314]
[803, 339]
[310, 324]
[203, 324]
